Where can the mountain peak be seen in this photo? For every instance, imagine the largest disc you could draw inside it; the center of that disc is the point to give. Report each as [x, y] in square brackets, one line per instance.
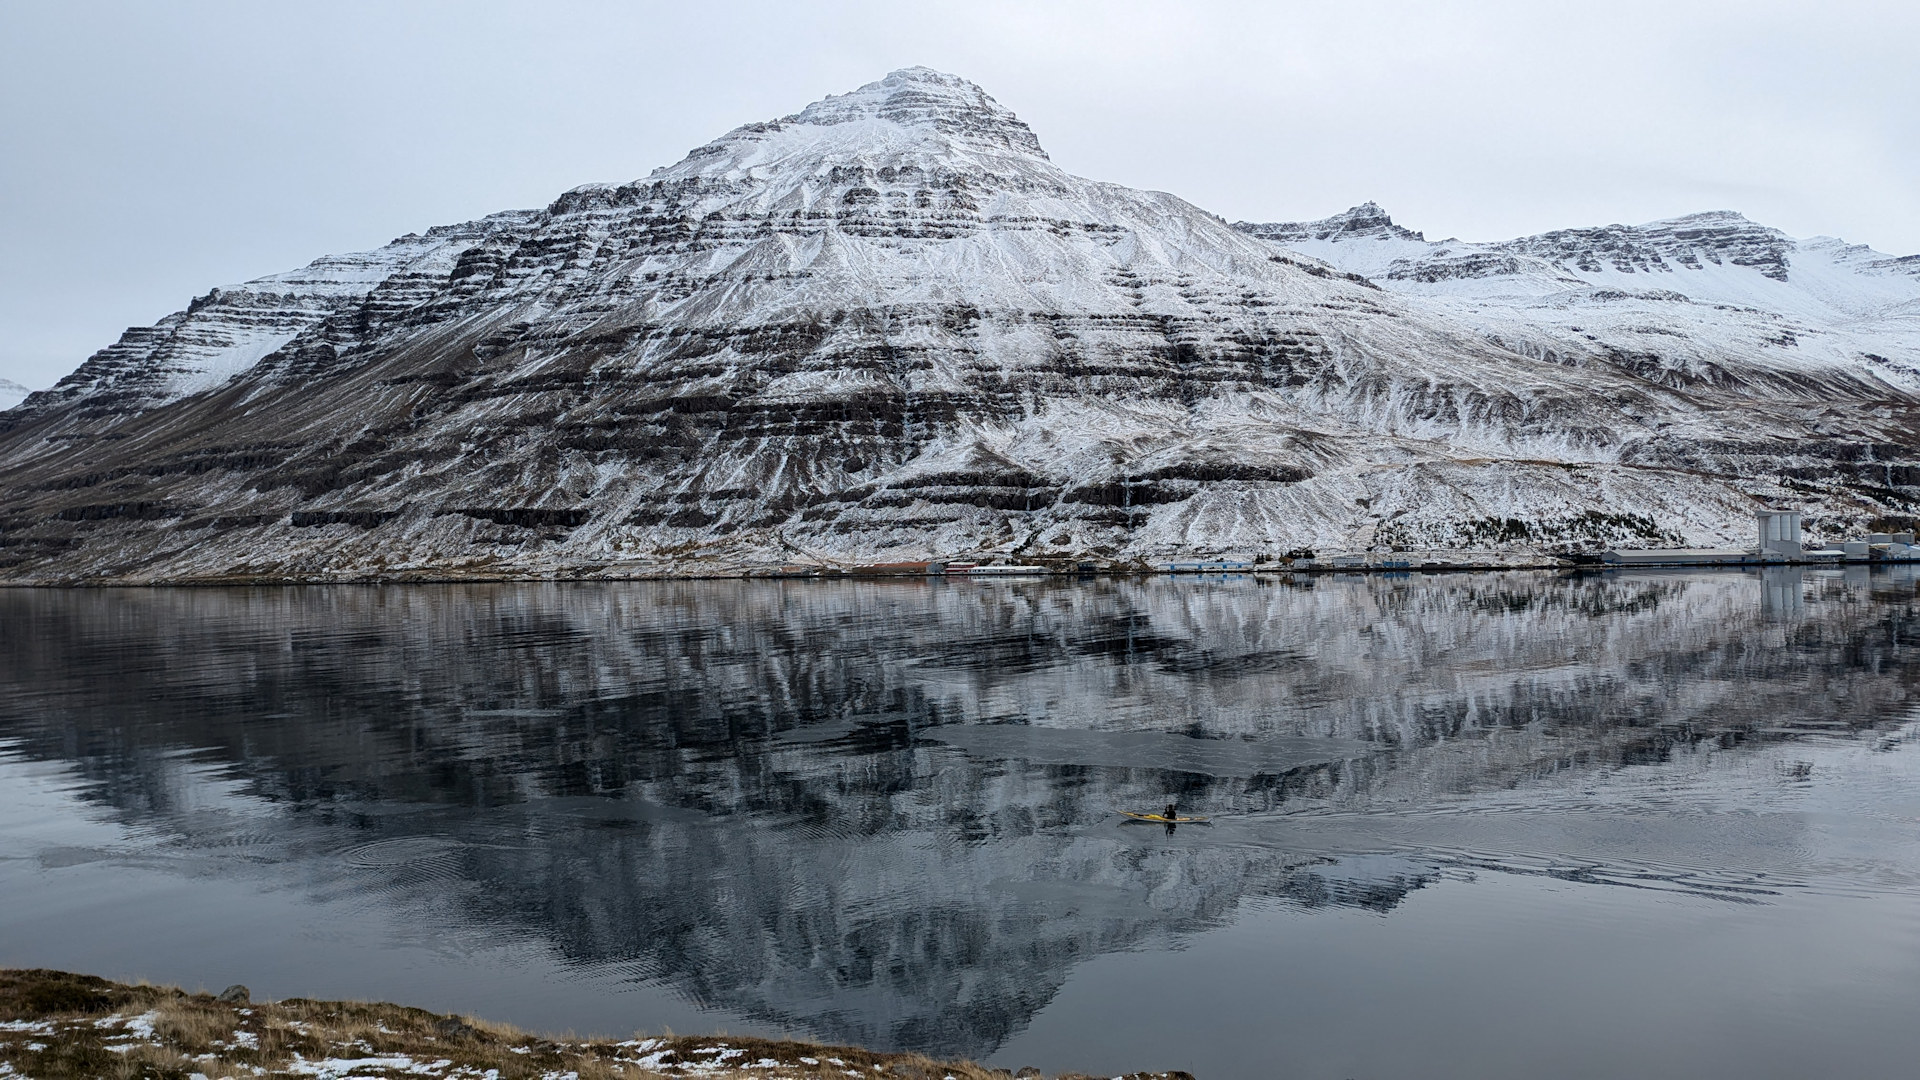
[1368, 221]
[1730, 217]
[1712, 236]
[923, 97]
[915, 115]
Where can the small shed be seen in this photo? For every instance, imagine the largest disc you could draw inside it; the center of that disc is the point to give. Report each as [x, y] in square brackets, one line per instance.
[1779, 533]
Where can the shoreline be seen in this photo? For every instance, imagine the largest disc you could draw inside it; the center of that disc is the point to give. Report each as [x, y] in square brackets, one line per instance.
[57, 1025]
[589, 576]
[846, 577]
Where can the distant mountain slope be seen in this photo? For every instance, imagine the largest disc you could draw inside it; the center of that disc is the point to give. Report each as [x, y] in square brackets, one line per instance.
[1741, 299]
[889, 327]
[11, 393]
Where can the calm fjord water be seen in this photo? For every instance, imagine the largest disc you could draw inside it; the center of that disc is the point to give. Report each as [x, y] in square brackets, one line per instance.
[1502, 825]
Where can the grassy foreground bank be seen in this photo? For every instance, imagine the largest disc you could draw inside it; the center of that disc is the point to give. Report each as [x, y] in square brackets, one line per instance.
[55, 1025]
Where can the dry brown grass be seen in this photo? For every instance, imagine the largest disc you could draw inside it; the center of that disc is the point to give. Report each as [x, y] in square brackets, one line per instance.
[192, 1025]
[144, 1061]
[59, 1026]
[215, 1069]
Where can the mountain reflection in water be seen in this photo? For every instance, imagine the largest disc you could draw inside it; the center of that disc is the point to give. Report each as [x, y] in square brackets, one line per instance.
[884, 811]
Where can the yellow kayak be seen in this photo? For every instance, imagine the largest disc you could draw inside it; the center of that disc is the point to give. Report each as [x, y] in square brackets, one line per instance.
[1162, 819]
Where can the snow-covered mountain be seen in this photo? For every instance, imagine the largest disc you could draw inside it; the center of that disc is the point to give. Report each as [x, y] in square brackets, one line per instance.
[1733, 290]
[11, 393]
[888, 327]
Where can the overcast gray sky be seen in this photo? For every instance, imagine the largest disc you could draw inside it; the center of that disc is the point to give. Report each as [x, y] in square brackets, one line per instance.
[150, 151]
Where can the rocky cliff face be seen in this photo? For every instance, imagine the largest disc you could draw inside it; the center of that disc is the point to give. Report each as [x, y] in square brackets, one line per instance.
[889, 327]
